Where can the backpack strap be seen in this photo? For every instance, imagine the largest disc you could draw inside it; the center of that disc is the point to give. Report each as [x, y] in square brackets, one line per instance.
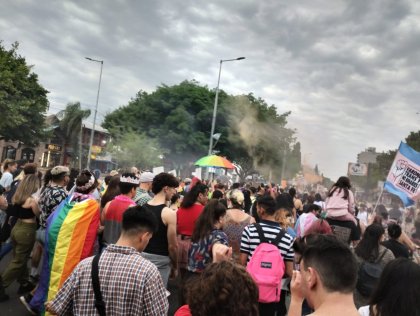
[276, 241]
[381, 256]
[279, 236]
[260, 233]
[99, 303]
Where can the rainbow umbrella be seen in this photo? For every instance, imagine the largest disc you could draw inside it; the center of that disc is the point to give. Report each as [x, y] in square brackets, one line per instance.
[214, 161]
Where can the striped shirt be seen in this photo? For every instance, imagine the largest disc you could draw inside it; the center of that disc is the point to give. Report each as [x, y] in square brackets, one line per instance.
[250, 239]
[130, 285]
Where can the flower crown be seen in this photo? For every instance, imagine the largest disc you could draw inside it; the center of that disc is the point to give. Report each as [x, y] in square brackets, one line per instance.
[131, 180]
[87, 185]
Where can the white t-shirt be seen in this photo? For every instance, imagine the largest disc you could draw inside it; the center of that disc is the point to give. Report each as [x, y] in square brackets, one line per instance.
[321, 204]
[6, 180]
[364, 311]
[363, 217]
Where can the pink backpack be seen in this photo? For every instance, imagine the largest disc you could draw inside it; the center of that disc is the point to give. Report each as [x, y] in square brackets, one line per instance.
[267, 267]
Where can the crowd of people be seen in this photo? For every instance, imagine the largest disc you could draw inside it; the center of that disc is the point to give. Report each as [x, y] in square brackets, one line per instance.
[111, 246]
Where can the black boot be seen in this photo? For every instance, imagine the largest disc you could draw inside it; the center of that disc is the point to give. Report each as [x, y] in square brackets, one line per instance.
[3, 296]
[25, 288]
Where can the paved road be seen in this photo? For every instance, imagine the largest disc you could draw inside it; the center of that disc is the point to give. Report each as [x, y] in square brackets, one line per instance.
[13, 307]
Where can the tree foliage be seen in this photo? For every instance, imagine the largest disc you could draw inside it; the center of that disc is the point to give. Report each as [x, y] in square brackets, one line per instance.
[23, 101]
[71, 126]
[136, 149]
[257, 131]
[413, 140]
[179, 118]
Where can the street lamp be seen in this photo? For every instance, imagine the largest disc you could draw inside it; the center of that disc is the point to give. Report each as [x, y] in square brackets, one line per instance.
[96, 111]
[216, 100]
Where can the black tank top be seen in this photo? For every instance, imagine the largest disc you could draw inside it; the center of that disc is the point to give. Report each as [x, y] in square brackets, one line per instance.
[158, 244]
[20, 212]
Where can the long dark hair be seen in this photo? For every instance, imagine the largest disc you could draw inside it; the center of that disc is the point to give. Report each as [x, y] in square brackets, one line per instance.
[112, 190]
[368, 247]
[192, 195]
[212, 213]
[398, 289]
[86, 182]
[318, 197]
[247, 200]
[73, 175]
[343, 183]
[46, 180]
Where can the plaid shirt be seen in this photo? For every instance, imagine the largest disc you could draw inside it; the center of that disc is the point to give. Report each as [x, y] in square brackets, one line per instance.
[142, 197]
[130, 285]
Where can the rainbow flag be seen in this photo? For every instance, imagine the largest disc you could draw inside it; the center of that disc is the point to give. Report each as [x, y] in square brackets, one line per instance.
[70, 237]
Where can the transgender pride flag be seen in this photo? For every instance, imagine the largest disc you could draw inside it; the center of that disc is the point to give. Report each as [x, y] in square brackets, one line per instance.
[404, 177]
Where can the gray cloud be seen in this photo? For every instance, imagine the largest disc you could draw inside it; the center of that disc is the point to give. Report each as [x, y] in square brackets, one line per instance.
[348, 70]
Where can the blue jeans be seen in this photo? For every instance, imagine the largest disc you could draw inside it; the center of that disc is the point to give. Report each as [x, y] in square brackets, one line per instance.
[6, 247]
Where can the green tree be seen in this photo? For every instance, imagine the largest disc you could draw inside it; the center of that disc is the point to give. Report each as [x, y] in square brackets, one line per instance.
[23, 101]
[179, 118]
[413, 140]
[261, 133]
[246, 167]
[71, 127]
[136, 149]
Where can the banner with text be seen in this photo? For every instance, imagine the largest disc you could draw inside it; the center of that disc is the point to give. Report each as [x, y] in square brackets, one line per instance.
[404, 176]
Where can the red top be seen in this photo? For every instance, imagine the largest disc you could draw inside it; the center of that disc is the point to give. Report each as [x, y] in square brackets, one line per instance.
[183, 311]
[186, 218]
[117, 207]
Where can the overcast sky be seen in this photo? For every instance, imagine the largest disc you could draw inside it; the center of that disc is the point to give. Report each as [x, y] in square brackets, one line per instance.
[348, 70]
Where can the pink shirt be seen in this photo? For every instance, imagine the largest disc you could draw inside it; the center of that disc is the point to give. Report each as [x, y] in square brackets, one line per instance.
[336, 205]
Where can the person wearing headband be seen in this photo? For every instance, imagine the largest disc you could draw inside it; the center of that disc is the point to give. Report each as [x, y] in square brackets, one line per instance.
[86, 182]
[113, 211]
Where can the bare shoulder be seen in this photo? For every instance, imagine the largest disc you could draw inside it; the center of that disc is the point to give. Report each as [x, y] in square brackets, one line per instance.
[168, 216]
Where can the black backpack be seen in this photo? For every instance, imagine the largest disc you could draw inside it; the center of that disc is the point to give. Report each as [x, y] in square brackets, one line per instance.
[368, 276]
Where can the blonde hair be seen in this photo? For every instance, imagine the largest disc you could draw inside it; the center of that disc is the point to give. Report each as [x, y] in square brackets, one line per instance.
[20, 176]
[236, 197]
[28, 186]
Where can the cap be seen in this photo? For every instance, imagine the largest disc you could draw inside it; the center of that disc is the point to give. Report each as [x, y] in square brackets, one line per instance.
[146, 177]
[60, 169]
[187, 180]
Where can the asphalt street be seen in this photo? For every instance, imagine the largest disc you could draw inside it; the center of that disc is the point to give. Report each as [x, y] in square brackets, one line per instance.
[13, 307]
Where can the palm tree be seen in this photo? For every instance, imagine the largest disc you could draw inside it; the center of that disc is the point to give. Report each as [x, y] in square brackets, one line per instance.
[71, 126]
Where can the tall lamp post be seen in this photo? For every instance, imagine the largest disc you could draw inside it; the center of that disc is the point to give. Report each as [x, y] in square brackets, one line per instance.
[216, 100]
[96, 111]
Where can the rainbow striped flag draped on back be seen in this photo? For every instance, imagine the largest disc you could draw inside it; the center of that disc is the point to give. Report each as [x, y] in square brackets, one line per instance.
[70, 237]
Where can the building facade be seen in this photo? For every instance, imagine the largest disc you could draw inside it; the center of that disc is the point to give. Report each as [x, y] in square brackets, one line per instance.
[56, 151]
[367, 156]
